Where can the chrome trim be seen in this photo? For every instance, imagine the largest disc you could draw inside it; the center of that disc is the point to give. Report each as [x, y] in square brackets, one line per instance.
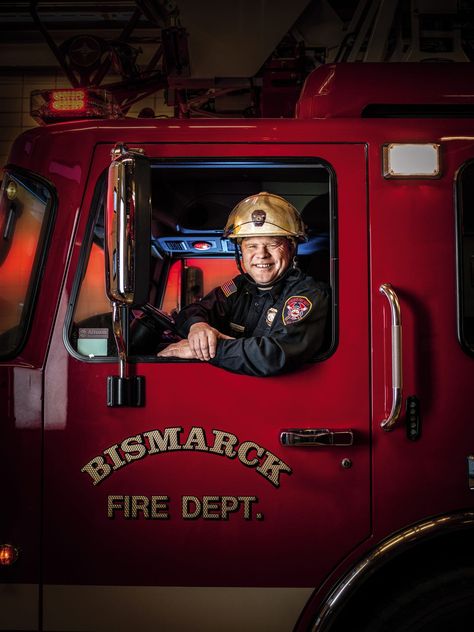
[120, 235]
[315, 437]
[397, 376]
[386, 550]
[117, 323]
[470, 471]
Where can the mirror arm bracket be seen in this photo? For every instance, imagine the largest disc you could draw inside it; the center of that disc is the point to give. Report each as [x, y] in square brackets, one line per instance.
[123, 389]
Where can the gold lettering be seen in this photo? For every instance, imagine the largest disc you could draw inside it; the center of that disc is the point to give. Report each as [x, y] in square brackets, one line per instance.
[133, 448]
[115, 456]
[138, 446]
[140, 503]
[272, 467]
[114, 503]
[157, 505]
[229, 505]
[187, 503]
[245, 448]
[196, 440]
[248, 500]
[136, 507]
[210, 504]
[163, 442]
[98, 469]
[224, 444]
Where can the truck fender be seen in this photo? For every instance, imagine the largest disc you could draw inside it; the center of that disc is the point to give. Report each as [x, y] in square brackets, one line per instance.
[426, 549]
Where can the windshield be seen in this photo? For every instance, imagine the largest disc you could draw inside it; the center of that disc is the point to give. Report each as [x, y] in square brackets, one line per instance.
[25, 204]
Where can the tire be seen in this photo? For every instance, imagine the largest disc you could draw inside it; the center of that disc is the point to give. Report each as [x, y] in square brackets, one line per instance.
[442, 602]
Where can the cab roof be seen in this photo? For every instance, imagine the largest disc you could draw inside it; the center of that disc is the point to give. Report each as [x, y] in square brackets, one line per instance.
[388, 90]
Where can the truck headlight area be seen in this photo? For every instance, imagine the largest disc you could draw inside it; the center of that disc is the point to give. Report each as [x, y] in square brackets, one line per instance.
[402, 160]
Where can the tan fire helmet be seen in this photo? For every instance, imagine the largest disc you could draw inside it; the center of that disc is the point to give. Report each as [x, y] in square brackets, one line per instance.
[265, 215]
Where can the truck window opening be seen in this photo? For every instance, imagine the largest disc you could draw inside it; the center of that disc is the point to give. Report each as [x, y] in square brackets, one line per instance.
[189, 257]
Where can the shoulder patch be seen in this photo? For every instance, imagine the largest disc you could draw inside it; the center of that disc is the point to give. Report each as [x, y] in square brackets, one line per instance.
[296, 308]
[229, 288]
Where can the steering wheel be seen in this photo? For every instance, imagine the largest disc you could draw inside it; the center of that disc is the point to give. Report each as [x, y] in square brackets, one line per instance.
[159, 316]
[151, 329]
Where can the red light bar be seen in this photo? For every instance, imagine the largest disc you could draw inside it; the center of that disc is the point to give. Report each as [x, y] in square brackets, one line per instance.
[52, 106]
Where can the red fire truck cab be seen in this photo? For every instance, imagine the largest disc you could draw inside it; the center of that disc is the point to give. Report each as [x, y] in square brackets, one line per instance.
[147, 493]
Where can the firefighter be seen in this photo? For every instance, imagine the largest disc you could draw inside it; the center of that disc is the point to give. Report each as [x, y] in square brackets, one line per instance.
[269, 319]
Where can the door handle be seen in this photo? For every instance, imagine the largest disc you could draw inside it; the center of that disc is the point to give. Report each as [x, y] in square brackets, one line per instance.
[315, 437]
[397, 377]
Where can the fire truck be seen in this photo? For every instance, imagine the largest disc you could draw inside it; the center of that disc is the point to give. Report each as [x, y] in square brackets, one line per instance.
[150, 493]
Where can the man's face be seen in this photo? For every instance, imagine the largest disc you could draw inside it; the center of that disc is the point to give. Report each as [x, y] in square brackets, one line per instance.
[266, 258]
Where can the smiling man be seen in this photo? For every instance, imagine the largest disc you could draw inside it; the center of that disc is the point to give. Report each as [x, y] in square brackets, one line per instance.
[269, 319]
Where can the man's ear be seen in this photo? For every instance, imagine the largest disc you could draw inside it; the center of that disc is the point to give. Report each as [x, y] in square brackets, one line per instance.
[293, 244]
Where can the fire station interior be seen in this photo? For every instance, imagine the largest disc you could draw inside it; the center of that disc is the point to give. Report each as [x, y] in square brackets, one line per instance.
[189, 256]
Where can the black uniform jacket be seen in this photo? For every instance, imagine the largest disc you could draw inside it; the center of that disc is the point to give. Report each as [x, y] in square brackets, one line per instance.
[275, 330]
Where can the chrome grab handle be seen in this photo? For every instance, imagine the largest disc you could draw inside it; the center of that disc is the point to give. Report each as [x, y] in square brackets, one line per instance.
[315, 437]
[397, 377]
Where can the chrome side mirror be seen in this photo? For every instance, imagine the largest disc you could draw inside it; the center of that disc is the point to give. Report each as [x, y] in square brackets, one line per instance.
[128, 227]
[127, 252]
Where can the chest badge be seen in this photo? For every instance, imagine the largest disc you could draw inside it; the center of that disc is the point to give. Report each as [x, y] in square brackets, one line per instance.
[296, 308]
[272, 312]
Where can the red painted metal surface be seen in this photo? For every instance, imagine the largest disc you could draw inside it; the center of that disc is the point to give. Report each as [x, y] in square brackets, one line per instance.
[335, 90]
[193, 395]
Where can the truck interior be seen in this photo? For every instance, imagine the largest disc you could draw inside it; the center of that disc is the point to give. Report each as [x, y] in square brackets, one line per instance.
[191, 200]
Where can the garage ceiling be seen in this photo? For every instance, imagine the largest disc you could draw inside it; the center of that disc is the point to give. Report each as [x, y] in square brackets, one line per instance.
[225, 38]
[203, 53]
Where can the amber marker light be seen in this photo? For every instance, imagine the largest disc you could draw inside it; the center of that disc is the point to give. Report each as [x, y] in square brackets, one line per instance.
[8, 554]
[68, 100]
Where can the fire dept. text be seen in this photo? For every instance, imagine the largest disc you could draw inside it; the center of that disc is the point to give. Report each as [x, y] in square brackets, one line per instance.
[192, 507]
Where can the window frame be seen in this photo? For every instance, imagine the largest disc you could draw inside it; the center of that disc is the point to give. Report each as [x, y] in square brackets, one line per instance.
[468, 347]
[37, 268]
[219, 164]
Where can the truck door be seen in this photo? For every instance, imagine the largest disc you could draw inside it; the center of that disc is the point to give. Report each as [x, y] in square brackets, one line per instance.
[189, 510]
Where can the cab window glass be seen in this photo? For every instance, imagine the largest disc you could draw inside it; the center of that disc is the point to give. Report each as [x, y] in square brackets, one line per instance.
[189, 256]
[25, 206]
[465, 228]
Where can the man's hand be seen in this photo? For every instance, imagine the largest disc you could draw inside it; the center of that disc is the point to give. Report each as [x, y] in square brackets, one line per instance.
[203, 340]
[179, 349]
[201, 344]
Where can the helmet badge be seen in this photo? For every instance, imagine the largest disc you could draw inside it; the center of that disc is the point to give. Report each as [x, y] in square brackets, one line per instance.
[258, 218]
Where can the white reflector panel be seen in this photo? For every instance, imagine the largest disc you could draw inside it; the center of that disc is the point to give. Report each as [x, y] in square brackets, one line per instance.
[411, 160]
